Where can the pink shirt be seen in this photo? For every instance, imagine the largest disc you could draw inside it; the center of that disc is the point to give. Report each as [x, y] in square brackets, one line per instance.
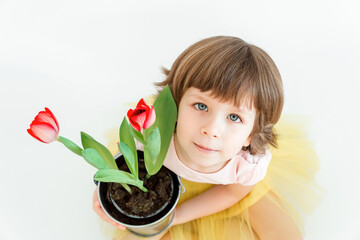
[244, 168]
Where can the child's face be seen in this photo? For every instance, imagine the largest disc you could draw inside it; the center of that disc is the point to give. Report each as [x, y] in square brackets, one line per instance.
[210, 132]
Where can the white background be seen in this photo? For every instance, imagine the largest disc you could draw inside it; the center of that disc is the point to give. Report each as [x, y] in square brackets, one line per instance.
[85, 59]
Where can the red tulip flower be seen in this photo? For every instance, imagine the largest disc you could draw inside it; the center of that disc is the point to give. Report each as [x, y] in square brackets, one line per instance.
[44, 127]
[142, 117]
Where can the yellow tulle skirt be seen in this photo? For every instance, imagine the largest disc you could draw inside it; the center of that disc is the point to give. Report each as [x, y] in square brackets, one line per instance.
[275, 208]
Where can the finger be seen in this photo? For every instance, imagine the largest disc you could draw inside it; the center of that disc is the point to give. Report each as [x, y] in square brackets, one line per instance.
[99, 211]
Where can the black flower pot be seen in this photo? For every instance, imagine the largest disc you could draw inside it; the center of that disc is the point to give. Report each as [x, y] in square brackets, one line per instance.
[116, 204]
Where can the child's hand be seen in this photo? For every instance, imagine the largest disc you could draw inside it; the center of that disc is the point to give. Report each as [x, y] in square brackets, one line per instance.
[176, 219]
[99, 211]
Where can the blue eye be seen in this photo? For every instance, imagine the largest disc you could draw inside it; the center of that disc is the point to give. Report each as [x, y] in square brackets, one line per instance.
[234, 118]
[200, 106]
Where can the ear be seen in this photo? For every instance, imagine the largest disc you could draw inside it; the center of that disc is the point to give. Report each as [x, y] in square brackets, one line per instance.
[247, 142]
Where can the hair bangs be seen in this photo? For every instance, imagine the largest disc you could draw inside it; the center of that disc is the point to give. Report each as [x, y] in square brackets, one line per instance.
[229, 81]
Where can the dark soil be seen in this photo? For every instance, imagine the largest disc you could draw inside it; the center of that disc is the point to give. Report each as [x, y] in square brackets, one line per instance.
[141, 207]
[141, 203]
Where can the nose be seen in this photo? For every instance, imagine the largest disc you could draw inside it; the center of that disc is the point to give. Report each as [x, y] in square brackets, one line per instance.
[212, 128]
[210, 134]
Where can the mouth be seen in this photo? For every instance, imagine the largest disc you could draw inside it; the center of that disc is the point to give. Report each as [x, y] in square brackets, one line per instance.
[205, 149]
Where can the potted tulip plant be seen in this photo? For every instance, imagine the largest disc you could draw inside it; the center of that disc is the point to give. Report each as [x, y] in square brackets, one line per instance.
[134, 187]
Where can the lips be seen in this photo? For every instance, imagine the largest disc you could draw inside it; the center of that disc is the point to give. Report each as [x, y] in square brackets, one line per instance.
[204, 149]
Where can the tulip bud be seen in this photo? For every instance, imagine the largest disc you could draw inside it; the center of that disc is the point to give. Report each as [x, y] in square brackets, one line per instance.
[142, 117]
[44, 127]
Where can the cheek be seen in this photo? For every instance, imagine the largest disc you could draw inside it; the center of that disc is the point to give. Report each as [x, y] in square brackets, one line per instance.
[181, 127]
[184, 119]
[238, 137]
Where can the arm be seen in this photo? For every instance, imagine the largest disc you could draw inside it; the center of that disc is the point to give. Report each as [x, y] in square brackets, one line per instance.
[214, 200]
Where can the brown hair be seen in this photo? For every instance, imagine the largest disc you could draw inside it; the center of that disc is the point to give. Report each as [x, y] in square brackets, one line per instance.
[236, 71]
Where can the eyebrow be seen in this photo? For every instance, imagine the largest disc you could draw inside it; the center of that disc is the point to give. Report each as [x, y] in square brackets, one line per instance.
[194, 95]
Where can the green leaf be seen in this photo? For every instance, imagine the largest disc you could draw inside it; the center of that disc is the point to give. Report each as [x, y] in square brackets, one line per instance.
[166, 114]
[152, 149]
[89, 142]
[137, 135]
[94, 158]
[131, 162]
[113, 175]
[70, 145]
[128, 140]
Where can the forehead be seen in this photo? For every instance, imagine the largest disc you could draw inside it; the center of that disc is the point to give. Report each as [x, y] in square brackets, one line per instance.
[244, 104]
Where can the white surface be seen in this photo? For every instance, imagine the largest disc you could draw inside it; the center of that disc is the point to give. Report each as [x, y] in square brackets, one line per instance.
[85, 59]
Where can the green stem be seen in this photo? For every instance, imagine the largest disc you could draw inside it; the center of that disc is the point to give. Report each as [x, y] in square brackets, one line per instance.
[144, 189]
[70, 145]
[148, 176]
[127, 188]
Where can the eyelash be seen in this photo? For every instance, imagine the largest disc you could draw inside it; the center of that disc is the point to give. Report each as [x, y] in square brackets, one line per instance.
[196, 105]
[238, 118]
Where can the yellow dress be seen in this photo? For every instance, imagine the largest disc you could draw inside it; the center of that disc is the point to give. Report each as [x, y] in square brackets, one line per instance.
[276, 205]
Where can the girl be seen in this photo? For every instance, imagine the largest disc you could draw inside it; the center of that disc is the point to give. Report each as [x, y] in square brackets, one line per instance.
[229, 96]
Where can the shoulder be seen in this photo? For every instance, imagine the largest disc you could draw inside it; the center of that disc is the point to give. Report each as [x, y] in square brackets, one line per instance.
[252, 168]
